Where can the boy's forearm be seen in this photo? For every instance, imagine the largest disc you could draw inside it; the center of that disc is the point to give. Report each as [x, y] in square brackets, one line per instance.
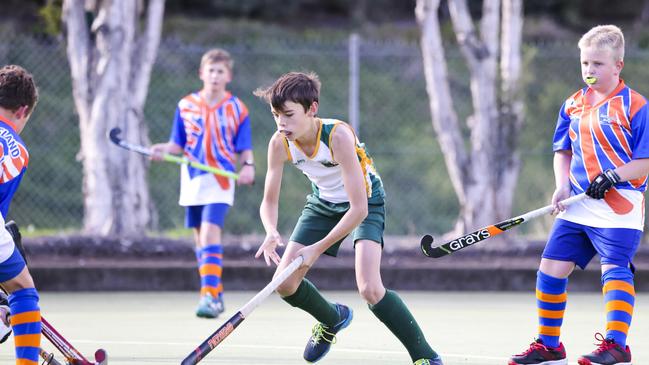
[350, 220]
[268, 214]
[633, 170]
[168, 147]
[245, 155]
[561, 166]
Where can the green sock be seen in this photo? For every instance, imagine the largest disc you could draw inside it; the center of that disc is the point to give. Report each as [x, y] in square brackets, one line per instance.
[308, 298]
[392, 311]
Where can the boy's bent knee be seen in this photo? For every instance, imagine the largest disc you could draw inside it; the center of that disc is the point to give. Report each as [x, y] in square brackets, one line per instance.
[372, 294]
[556, 268]
[287, 288]
[21, 281]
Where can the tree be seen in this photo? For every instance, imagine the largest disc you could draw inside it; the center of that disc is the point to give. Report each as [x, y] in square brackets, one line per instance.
[111, 49]
[643, 17]
[483, 171]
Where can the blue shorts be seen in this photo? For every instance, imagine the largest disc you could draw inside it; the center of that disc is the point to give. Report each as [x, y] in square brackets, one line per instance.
[11, 267]
[579, 243]
[212, 213]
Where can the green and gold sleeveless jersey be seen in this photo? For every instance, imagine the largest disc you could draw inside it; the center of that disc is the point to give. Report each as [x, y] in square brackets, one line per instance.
[326, 174]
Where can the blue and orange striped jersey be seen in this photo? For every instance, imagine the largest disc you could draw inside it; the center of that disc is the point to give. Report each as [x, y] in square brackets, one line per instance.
[13, 163]
[605, 136]
[211, 135]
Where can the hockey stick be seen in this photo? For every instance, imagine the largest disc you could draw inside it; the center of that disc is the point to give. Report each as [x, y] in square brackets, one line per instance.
[71, 354]
[482, 234]
[48, 358]
[12, 228]
[113, 134]
[228, 327]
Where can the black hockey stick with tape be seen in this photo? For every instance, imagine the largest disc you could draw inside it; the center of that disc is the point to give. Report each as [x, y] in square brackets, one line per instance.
[486, 232]
[114, 133]
[228, 327]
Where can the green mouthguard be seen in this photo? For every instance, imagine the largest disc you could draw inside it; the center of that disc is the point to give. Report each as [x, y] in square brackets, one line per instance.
[590, 80]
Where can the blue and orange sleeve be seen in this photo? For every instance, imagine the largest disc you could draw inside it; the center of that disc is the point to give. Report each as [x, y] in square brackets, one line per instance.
[178, 135]
[243, 138]
[640, 133]
[561, 140]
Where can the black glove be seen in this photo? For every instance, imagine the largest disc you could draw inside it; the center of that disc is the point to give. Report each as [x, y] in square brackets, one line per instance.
[13, 230]
[602, 183]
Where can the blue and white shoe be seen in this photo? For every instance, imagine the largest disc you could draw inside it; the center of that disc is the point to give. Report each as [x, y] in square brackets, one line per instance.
[435, 361]
[220, 305]
[208, 307]
[323, 337]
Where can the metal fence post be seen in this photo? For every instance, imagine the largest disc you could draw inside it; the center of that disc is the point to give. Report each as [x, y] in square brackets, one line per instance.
[354, 65]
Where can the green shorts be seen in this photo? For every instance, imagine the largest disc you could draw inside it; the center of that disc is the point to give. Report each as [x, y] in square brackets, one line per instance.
[320, 216]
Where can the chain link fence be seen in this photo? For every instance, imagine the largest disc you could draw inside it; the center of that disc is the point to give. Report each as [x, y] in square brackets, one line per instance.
[394, 122]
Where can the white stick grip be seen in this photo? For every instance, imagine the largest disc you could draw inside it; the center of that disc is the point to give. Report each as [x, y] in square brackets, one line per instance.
[548, 209]
[270, 288]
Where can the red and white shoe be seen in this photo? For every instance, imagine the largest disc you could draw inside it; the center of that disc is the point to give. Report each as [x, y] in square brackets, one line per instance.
[607, 353]
[540, 354]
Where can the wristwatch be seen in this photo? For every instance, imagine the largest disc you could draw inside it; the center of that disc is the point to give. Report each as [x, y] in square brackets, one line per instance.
[249, 163]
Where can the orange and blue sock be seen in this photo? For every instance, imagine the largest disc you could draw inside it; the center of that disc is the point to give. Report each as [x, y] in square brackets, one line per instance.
[210, 269]
[26, 325]
[619, 296]
[551, 299]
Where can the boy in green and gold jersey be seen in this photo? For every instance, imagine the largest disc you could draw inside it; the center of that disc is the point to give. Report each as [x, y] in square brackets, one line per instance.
[348, 197]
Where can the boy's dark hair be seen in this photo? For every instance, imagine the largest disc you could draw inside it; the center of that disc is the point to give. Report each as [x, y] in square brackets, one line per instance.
[298, 87]
[17, 88]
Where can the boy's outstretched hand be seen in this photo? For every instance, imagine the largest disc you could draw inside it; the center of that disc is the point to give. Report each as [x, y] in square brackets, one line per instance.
[271, 242]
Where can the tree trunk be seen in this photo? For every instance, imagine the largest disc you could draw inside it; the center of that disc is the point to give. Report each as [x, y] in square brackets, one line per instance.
[643, 17]
[110, 62]
[511, 104]
[484, 174]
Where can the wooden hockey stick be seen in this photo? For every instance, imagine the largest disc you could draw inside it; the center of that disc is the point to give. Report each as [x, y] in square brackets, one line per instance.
[228, 327]
[113, 134]
[486, 232]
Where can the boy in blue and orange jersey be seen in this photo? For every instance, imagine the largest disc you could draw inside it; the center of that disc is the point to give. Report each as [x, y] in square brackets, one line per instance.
[348, 197]
[601, 146]
[211, 126]
[18, 96]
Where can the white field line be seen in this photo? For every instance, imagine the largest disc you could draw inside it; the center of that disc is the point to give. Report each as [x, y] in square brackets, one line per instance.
[189, 346]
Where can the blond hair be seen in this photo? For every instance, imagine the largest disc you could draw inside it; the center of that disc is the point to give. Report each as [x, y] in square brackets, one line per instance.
[604, 37]
[217, 55]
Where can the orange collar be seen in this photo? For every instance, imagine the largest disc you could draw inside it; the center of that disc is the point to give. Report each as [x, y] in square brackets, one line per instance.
[11, 124]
